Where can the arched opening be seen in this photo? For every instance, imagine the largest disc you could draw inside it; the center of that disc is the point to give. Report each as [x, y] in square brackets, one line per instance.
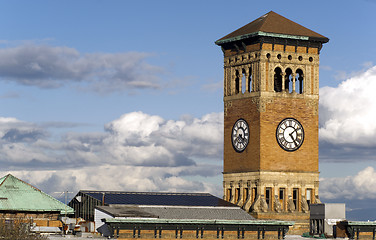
[288, 80]
[243, 81]
[250, 80]
[277, 79]
[299, 81]
[237, 82]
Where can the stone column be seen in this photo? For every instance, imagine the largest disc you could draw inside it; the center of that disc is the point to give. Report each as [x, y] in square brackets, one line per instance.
[240, 201]
[232, 200]
[300, 79]
[293, 82]
[283, 81]
[246, 75]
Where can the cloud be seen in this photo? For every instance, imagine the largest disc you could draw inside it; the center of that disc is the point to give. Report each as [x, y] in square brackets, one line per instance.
[347, 118]
[136, 136]
[142, 152]
[361, 186]
[45, 66]
[116, 178]
[13, 130]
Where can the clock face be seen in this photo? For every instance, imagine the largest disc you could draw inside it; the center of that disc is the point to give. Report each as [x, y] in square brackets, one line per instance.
[290, 134]
[240, 135]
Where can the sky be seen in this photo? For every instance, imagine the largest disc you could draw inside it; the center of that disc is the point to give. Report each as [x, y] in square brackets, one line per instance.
[127, 95]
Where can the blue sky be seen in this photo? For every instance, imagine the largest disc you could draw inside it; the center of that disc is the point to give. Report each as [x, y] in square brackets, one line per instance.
[127, 95]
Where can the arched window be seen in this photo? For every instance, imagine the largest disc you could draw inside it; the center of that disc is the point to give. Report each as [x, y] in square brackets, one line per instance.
[288, 80]
[237, 82]
[277, 79]
[299, 81]
[244, 82]
[250, 80]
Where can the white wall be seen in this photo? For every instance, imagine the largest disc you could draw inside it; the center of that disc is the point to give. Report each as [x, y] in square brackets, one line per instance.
[98, 215]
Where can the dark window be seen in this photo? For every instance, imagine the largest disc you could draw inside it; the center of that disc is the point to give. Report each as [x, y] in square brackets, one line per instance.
[295, 197]
[282, 198]
[268, 193]
[229, 194]
[237, 194]
[278, 80]
[254, 193]
[245, 194]
[281, 193]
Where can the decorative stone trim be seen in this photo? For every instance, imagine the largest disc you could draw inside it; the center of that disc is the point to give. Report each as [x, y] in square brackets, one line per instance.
[227, 105]
[312, 103]
[261, 103]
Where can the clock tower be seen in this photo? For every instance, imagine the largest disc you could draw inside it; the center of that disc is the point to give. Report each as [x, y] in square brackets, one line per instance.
[271, 97]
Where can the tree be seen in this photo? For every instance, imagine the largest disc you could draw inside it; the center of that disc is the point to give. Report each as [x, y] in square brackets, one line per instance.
[18, 229]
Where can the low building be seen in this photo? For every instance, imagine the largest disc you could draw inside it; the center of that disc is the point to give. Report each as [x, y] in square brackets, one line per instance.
[191, 229]
[20, 200]
[167, 213]
[171, 215]
[85, 202]
[356, 230]
[324, 218]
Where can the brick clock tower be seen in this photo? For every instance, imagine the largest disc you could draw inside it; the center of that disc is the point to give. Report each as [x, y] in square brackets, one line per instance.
[271, 97]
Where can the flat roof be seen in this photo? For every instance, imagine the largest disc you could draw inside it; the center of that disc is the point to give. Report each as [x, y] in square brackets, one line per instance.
[198, 221]
[158, 198]
[175, 212]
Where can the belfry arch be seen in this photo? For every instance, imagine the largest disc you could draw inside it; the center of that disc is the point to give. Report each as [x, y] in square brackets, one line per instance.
[299, 83]
[277, 79]
[237, 82]
[249, 80]
[289, 81]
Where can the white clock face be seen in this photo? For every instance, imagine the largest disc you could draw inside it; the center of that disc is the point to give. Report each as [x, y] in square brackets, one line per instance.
[290, 134]
[240, 135]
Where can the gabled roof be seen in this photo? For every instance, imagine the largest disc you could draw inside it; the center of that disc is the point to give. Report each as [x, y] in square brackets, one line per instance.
[17, 195]
[157, 198]
[275, 25]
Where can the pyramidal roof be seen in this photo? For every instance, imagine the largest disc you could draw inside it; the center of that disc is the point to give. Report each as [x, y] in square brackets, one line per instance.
[272, 24]
[17, 195]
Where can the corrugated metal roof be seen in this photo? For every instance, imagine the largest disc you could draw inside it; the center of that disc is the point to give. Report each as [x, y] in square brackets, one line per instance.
[199, 213]
[125, 211]
[17, 195]
[171, 212]
[159, 198]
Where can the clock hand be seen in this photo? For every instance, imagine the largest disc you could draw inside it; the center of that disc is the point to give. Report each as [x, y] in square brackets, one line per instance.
[296, 142]
[240, 137]
[295, 130]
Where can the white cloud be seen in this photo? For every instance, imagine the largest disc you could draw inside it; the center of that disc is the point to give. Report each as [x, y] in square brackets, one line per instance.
[360, 186]
[348, 112]
[136, 152]
[135, 139]
[139, 138]
[50, 67]
[116, 178]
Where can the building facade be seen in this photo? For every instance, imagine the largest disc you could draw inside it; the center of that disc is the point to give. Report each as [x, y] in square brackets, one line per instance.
[271, 96]
[148, 215]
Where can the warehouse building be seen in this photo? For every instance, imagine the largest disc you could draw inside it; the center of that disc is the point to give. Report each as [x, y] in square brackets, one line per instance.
[170, 215]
